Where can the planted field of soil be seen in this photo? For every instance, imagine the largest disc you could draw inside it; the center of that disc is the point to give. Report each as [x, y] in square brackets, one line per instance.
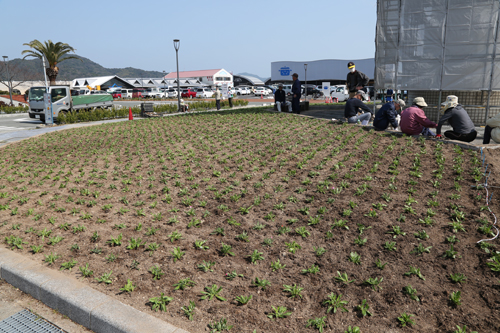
[264, 222]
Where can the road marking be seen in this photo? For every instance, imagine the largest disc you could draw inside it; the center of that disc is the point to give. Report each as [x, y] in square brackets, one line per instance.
[26, 120]
[5, 128]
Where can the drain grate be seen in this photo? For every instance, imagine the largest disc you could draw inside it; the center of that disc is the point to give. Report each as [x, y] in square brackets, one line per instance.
[26, 322]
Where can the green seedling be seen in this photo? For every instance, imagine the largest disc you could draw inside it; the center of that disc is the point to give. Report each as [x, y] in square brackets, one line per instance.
[415, 271]
[242, 300]
[458, 278]
[211, 292]
[396, 231]
[156, 272]
[189, 310]
[318, 323]
[455, 298]
[343, 277]
[219, 326]
[206, 266]
[363, 308]
[374, 283]
[184, 283]
[420, 249]
[160, 302]
[335, 302]
[411, 292]
[128, 287]
[177, 253]
[200, 245]
[276, 265]
[279, 312]
[405, 319]
[106, 278]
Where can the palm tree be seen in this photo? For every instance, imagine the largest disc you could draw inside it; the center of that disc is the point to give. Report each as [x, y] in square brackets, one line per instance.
[54, 53]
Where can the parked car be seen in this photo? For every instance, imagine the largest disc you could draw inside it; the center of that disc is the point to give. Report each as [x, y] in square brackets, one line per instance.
[188, 93]
[288, 89]
[312, 91]
[341, 93]
[261, 91]
[204, 93]
[172, 92]
[116, 94]
[273, 89]
[138, 93]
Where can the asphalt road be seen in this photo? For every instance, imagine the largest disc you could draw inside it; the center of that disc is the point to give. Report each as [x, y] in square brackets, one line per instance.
[21, 122]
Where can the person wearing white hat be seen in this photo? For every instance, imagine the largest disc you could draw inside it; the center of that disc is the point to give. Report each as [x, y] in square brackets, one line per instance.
[387, 114]
[457, 117]
[414, 121]
[184, 106]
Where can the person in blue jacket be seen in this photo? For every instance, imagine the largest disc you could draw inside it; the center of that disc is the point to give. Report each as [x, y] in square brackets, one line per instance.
[296, 91]
[355, 105]
[387, 115]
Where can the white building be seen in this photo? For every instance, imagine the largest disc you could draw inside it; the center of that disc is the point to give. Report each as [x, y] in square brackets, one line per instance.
[210, 77]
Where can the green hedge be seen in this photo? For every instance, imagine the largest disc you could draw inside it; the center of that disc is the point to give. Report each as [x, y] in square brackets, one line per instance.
[14, 109]
[112, 113]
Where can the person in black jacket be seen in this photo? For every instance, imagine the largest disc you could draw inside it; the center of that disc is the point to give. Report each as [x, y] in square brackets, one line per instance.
[387, 115]
[455, 114]
[353, 105]
[355, 80]
[296, 91]
[280, 99]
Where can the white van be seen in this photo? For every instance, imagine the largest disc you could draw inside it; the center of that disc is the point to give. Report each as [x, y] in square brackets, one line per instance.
[288, 89]
[127, 93]
[340, 92]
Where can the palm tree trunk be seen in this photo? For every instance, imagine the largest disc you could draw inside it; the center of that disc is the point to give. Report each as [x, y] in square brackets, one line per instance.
[52, 75]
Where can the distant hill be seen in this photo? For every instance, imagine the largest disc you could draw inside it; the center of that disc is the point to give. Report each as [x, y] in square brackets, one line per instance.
[73, 68]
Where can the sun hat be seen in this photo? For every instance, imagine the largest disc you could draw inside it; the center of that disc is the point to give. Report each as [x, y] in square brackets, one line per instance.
[419, 101]
[280, 85]
[451, 102]
[400, 102]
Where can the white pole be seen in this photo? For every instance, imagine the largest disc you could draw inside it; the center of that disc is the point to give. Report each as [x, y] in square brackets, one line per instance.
[45, 75]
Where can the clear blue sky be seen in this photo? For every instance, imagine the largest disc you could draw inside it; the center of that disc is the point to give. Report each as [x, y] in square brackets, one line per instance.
[240, 36]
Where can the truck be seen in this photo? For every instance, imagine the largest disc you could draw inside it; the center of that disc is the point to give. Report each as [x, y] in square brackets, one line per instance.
[65, 100]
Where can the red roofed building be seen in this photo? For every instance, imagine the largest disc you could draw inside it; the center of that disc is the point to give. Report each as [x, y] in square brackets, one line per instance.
[211, 77]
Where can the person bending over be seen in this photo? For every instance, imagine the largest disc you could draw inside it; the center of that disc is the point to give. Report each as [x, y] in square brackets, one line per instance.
[414, 120]
[387, 115]
[457, 117]
[355, 104]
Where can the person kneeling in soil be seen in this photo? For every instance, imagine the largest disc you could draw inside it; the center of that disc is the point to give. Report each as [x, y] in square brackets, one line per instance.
[414, 121]
[457, 117]
[355, 104]
[387, 115]
[492, 130]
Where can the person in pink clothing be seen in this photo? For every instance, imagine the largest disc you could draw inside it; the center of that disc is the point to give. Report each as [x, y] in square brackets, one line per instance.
[414, 121]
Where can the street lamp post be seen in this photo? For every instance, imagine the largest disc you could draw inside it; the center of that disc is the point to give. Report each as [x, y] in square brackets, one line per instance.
[177, 43]
[8, 78]
[305, 80]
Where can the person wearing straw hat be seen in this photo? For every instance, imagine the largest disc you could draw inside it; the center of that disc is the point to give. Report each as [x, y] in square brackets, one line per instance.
[414, 121]
[492, 130]
[457, 117]
[355, 80]
[387, 114]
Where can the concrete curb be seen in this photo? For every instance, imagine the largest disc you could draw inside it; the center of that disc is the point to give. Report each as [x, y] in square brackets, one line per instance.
[82, 304]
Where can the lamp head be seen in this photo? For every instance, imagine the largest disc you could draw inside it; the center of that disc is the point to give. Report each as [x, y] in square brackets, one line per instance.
[177, 43]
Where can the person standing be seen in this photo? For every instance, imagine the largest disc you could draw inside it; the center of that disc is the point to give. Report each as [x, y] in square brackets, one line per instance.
[353, 106]
[230, 96]
[280, 99]
[296, 91]
[218, 96]
[387, 114]
[457, 117]
[414, 121]
[355, 80]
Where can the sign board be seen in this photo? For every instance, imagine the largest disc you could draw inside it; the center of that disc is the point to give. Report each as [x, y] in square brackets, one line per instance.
[224, 91]
[325, 88]
[47, 104]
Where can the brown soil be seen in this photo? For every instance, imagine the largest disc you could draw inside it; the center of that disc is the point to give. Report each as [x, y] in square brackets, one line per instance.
[256, 155]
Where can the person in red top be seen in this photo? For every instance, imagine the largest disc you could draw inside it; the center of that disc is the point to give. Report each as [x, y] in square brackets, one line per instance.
[414, 121]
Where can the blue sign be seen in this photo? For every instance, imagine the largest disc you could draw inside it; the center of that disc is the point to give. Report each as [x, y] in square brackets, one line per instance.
[285, 71]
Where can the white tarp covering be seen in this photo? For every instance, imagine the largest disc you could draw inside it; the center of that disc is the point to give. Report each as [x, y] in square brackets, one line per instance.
[437, 45]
